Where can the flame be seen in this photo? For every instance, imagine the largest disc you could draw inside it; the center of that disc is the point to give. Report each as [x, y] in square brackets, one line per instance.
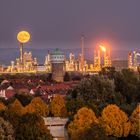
[103, 48]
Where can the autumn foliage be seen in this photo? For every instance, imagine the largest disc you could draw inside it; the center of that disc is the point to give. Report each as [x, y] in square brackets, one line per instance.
[16, 107]
[2, 106]
[6, 130]
[57, 107]
[39, 106]
[135, 121]
[27, 121]
[115, 122]
[83, 119]
[28, 109]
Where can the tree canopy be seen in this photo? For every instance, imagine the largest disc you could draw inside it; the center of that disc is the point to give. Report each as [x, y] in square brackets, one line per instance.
[84, 118]
[39, 106]
[115, 122]
[2, 106]
[57, 107]
[135, 121]
[32, 127]
[6, 130]
[94, 132]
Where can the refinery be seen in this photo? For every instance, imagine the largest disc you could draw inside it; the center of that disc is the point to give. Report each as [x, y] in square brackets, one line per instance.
[56, 61]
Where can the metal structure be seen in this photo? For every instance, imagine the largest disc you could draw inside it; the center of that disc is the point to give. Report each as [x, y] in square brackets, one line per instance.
[82, 52]
[133, 60]
[22, 37]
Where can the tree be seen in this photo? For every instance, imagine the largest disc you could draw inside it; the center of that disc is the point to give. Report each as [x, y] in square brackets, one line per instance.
[97, 89]
[73, 105]
[28, 109]
[13, 112]
[40, 107]
[38, 92]
[49, 77]
[2, 106]
[66, 77]
[10, 100]
[82, 120]
[6, 130]
[95, 92]
[115, 122]
[16, 107]
[32, 127]
[95, 132]
[135, 121]
[128, 108]
[57, 107]
[127, 83]
[108, 71]
[24, 98]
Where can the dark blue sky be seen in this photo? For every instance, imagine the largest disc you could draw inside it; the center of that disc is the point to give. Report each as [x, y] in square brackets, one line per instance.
[59, 23]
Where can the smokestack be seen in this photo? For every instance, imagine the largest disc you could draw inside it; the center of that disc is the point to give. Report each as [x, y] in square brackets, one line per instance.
[82, 51]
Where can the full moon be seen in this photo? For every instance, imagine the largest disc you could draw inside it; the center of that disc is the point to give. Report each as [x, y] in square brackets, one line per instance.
[23, 36]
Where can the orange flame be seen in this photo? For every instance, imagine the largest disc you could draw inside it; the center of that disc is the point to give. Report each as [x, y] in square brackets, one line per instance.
[103, 48]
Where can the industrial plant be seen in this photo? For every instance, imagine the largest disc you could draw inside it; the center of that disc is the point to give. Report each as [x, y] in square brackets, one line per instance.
[133, 60]
[57, 63]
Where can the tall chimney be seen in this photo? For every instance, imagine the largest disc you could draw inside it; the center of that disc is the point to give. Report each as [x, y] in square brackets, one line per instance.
[82, 51]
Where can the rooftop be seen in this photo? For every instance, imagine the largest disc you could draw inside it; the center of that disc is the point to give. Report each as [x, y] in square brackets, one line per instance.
[57, 52]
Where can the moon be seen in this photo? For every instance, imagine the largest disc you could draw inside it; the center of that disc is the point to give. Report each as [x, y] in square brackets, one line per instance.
[23, 37]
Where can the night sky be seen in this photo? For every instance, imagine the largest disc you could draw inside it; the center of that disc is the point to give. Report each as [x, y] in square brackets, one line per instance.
[59, 23]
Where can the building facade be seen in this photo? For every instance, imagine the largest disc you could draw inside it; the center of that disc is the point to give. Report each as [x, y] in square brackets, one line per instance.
[57, 60]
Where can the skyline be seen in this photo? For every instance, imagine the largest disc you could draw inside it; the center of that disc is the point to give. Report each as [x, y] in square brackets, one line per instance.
[58, 24]
[6, 57]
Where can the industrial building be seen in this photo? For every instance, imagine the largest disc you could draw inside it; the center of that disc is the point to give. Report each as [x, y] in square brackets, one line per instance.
[57, 60]
[101, 57]
[133, 60]
[29, 64]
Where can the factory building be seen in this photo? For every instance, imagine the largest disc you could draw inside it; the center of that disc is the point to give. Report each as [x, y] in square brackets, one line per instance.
[29, 64]
[133, 60]
[101, 57]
